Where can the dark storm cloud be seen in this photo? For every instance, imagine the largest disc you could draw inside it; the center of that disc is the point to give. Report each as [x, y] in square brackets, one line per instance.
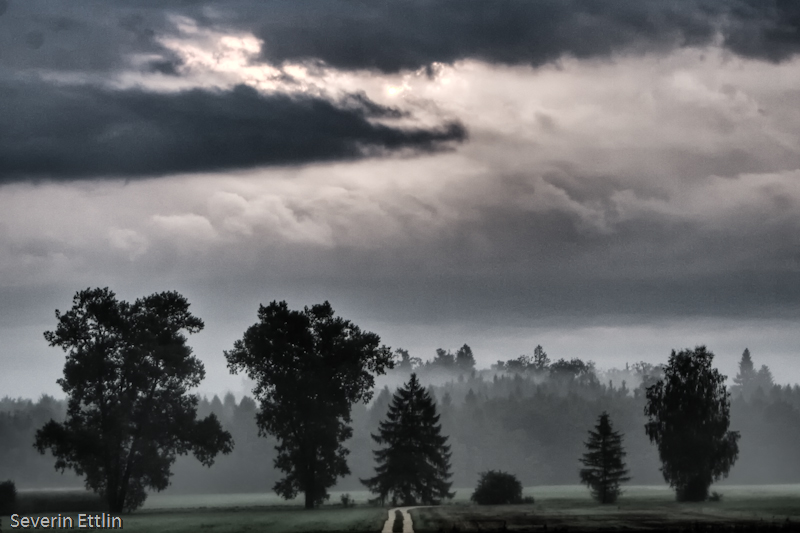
[63, 132]
[408, 34]
[87, 36]
[390, 35]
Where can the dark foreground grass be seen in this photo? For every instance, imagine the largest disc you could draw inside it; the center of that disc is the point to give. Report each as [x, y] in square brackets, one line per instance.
[775, 508]
[761, 508]
[238, 520]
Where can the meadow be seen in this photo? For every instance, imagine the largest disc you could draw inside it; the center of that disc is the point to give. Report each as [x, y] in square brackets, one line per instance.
[557, 507]
[640, 508]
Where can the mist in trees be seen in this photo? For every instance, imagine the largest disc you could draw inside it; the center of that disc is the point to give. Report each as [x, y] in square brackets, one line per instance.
[748, 381]
[526, 421]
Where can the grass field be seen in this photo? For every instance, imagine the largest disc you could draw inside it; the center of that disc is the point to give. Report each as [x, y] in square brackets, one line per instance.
[640, 508]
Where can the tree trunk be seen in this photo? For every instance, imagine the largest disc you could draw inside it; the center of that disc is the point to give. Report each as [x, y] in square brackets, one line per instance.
[310, 478]
[696, 490]
[310, 488]
[309, 498]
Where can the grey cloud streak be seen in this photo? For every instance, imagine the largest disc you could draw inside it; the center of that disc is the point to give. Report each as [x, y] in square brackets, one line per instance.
[66, 132]
[409, 34]
[390, 35]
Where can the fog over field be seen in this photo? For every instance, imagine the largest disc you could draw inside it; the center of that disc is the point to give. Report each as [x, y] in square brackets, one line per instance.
[532, 423]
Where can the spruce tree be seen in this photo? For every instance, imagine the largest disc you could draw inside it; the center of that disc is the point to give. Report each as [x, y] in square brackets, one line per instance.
[746, 378]
[604, 461]
[414, 464]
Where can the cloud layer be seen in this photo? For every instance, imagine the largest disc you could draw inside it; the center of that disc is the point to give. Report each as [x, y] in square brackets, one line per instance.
[631, 170]
[409, 34]
[65, 132]
[391, 35]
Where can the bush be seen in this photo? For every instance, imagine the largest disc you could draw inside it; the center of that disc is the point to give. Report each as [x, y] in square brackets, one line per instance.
[8, 497]
[347, 501]
[497, 488]
[715, 497]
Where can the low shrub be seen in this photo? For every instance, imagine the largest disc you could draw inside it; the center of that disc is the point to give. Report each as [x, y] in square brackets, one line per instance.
[8, 497]
[715, 497]
[497, 488]
[347, 501]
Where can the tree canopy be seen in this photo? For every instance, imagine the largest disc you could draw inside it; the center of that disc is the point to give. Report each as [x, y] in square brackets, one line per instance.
[127, 376]
[604, 461]
[465, 360]
[309, 368]
[689, 416]
[414, 464]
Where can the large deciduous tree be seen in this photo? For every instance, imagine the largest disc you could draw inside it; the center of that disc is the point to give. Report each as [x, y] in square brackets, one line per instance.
[414, 465]
[604, 461]
[127, 376]
[689, 416]
[309, 368]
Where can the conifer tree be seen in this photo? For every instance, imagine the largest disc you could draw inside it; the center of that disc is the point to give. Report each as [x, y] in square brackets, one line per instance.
[414, 464]
[604, 461]
[744, 380]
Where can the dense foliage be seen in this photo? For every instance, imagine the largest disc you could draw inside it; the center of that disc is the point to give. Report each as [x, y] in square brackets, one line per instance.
[497, 488]
[126, 377]
[414, 462]
[604, 461]
[309, 368]
[689, 416]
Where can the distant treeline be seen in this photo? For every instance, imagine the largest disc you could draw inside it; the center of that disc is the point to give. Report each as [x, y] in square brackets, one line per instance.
[528, 416]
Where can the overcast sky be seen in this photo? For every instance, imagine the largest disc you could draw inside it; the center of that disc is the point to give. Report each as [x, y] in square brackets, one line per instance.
[608, 178]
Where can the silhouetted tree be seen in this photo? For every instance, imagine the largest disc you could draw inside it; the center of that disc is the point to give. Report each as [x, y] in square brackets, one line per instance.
[540, 360]
[497, 488]
[444, 360]
[747, 374]
[403, 362]
[689, 416]
[127, 376]
[414, 465]
[309, 368]
[604, 461]
[465, 360]
[764, 379]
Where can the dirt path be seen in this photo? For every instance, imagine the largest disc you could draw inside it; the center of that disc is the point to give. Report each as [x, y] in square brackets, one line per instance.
[407, 524]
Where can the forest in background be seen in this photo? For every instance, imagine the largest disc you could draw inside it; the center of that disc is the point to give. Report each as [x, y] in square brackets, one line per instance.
[527, 416]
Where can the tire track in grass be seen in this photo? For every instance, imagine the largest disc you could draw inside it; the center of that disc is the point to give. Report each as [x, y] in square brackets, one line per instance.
[408, 526]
